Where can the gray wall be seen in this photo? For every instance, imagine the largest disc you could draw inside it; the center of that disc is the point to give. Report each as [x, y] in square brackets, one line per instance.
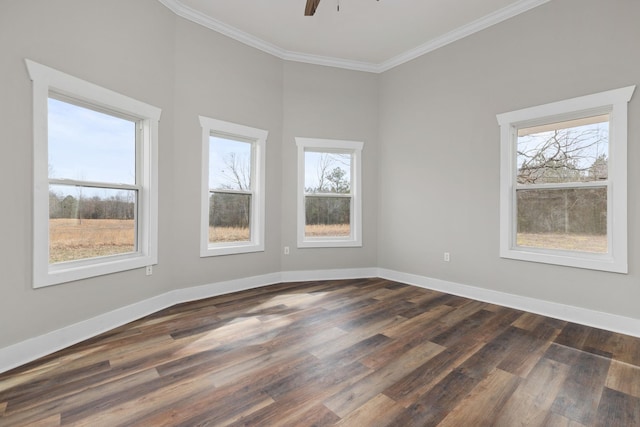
[439, 146]
[331, 103]
[431, 159]
[143, 50]
[101, 42]
[223, 79]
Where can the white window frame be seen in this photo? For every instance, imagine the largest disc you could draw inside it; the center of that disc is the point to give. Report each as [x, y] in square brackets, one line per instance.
[258, 140]
[47, 80]
[330, 145]
[614, 102]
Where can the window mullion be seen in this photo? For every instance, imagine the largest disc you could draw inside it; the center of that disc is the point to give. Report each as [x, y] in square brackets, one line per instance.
[563, 185]
[91, 184]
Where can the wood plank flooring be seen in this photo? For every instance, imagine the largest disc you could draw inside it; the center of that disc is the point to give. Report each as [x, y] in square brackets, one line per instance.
[358, 353]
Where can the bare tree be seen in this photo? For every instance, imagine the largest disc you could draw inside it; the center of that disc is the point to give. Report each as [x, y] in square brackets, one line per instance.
[570, 155]
[565, 155]
[237, 172]
[330, 167]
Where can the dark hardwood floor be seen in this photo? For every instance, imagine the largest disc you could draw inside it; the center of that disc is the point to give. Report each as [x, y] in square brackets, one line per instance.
[352, 353]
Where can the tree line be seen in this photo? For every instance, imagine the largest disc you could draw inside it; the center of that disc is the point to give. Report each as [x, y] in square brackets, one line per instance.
[324, 209]
[118, 206]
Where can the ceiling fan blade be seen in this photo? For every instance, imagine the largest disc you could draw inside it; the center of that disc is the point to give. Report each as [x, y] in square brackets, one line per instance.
[310, 9]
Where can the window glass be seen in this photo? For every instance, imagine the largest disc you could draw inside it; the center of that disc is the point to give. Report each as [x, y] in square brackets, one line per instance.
[563, 154]
[229, 164]
[232, 195]
[327, 174]
[95, 169]
[88, 145]
[327, 217]
[573, 151]
[563, 182]
[86, 222]
[229, 217]
[329, 202]
[230, 171]
[572, 219]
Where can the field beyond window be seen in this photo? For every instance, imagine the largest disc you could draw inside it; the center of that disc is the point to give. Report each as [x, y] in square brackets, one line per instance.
[230, 189]
[570, 219]
[328, 194]
[561, 191]
[92, 177]
[229, 216]
[71, 239]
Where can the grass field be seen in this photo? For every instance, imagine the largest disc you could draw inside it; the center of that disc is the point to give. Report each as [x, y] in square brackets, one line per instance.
[329, 230]
[570, 242]
[232, 234]
[72, 239]
[229, 234]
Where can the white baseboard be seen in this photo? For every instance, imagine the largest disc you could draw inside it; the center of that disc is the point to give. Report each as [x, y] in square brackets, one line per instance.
[31, 349]
[596, 319]
[339, 274]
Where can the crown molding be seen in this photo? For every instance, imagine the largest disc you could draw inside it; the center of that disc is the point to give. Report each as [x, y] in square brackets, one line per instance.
[177, 7]
[462, 32]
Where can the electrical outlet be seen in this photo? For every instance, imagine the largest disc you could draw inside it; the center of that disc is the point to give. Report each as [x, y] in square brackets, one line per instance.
[447, 257]
[149, 270]
[286, 250]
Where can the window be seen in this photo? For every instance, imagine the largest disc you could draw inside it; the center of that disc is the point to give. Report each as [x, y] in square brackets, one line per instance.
[329, 196]
[233, 167]
[563, 196]
[95, 174]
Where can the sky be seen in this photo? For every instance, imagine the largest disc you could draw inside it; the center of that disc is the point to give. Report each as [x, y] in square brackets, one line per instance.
[313, 160]
[220, 152]
[87, 145]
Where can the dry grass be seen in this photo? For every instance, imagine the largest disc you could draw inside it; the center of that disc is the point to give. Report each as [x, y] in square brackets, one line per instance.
[229, 234]
[329, 230]
[570, 242]
[72, 239]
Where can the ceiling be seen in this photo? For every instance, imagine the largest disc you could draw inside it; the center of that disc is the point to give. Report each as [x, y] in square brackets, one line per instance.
[366, 35]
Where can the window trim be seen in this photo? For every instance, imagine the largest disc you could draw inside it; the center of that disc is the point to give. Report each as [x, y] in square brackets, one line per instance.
[258, 139]
[47, 80]
[329, 145]
[615, 103]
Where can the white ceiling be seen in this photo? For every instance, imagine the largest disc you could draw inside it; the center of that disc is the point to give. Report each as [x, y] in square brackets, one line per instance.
[366, 35]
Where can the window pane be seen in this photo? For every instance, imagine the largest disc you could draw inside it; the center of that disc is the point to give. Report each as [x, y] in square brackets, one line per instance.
[87, 222]
[86, 145]
[568, 219]
[327, 172]
[229, 164]
[327, 217]
[229, 217]
[571, 151]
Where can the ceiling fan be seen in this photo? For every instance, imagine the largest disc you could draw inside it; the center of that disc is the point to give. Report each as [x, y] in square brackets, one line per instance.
[310, 9]
[312, 5]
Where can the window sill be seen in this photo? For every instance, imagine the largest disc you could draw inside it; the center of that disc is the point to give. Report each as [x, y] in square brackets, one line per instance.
[326, 243]
[230, 249]
[590, 261]
[77, 270]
